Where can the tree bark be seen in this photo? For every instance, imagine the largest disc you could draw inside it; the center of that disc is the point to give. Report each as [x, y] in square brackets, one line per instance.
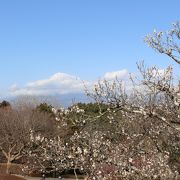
[8, 165]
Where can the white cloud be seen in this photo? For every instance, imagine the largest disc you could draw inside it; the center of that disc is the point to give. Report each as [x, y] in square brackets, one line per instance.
[121, 74]
[61, 83]
[14, 87]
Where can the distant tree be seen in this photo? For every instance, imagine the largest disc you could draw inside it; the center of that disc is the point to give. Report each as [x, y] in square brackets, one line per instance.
[93, 108]
[16, 126]
[14, 135]
[4, 104]
[44, 107]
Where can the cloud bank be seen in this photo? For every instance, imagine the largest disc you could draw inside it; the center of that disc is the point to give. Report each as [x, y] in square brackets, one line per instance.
[61, 83]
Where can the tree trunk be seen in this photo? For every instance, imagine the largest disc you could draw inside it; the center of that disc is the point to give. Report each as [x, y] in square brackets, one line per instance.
[8, 165]
[75, 174]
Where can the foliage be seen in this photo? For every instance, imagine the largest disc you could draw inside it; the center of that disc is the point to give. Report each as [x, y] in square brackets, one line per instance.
[44, 107]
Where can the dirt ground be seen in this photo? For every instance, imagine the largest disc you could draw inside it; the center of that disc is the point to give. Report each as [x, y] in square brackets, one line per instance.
[10, 177]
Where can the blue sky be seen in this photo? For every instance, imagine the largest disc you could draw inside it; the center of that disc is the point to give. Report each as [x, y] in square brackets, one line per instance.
[83, 38]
